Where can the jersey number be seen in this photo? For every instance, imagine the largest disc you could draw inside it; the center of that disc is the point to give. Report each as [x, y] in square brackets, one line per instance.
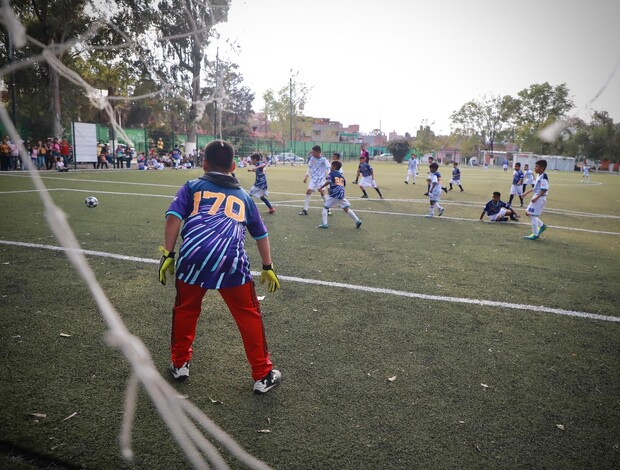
[233, 207]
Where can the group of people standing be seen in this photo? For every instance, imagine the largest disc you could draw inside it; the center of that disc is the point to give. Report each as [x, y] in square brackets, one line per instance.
[53, 153]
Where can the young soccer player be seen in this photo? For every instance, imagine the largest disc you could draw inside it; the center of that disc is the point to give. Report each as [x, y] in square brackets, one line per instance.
[431, 160]
[585, 169]
[368, 178]
[259, 190]
[498, 210]
[336, 183]
[456, 176]
[537, 203]
[528, 176]
[434, 193]
[412, 169]
[212, 213]
[318, 167]
[517, 184]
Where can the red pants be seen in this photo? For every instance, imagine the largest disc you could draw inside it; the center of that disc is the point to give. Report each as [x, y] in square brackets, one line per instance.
[245, 309]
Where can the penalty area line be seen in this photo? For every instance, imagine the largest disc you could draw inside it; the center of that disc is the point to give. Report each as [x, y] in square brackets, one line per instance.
[374, 290]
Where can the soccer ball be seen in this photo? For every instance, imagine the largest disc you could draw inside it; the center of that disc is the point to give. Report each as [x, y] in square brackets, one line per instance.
[91, 201]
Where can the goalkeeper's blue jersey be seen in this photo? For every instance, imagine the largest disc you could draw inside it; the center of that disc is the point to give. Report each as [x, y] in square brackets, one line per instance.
[261, 178]
[336, 184]
[212, 253]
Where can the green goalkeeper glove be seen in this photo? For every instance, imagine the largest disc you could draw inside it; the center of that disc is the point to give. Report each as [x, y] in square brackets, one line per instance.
[269, 275]
[166, 264]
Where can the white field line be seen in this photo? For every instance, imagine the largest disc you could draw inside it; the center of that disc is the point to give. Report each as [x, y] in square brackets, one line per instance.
[300, 202]
[374, 290]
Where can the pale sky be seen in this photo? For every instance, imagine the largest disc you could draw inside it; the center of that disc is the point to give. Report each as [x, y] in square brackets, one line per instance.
[395, 63]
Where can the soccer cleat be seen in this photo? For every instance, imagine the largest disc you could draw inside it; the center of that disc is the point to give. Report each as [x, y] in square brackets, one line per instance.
[462, 190]
[532, 237]
[180, 373]
[358, 224]
[272, 211]
[429, 216]
[440, 213]
[406, 182]
[364, 196]
[303, 212]
[322, 226]
[504, 219]
[265, 384]
[542, 229]
[445, 190]
[450, 189]
[425, 194]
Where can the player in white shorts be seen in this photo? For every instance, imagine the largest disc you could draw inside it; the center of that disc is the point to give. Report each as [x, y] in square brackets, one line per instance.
[586, 173]
[537, 204]
[456, 176]
[412, 169]
[318, 167]
[336, 198]
[517, 184]
[368, 178]
[498, 210]
[528, 177]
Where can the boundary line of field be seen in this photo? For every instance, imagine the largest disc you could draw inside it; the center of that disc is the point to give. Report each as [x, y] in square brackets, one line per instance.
[374, 290]
[300, 203]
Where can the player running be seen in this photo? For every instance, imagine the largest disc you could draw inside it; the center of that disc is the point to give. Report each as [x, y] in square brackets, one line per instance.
[336, 198]
[318, 167]
[259, 190]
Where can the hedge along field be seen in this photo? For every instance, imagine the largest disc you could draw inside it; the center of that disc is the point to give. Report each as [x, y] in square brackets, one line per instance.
[383, 362]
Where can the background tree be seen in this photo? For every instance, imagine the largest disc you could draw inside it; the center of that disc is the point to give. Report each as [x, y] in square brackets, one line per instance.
[284, 107]
[185, 28]
[484, 119]
[425, 140]
[50, 23]
[535, 108]
[399, 149]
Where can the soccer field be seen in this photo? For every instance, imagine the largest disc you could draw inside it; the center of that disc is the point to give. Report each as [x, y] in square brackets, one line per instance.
[407, 343]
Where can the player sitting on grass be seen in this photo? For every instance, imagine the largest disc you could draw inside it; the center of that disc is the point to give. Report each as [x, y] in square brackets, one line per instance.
[498, 210]
[259, 190]
[336, 198]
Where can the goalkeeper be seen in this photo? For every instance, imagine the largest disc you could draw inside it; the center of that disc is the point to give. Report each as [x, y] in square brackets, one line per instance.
[212, 213]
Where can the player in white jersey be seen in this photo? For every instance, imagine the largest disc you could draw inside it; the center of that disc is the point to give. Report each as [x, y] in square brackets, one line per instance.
[528, 177]
[585, 169]
[318, 168]
[434, 192]
[412, 168]
[537, 204]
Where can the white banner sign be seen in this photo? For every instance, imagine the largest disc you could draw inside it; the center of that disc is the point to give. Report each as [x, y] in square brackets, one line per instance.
[84, 142]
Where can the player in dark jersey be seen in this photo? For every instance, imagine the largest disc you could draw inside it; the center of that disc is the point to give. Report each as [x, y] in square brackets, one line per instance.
[212, 214]
[259, 190]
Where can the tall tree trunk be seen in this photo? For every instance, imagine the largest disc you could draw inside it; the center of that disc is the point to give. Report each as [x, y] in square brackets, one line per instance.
[55, 102]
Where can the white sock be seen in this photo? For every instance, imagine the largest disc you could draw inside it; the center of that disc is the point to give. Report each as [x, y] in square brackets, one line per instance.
[431, 211]
[307, 202]
[439, 208]
[535, 224]
[324, 215]
[352, 214]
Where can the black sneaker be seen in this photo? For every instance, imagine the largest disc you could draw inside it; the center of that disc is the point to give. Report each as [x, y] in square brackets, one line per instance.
[445, 190]
[426, 194]
[303, 212]
[180, 373]
[364, 196]
[406, 182]
[265, 384]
